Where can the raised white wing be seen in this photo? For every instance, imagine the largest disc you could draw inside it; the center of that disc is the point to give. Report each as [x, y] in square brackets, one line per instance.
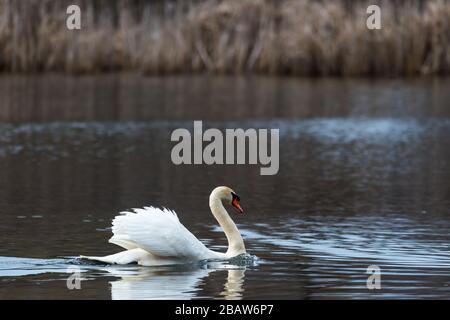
[157, 231]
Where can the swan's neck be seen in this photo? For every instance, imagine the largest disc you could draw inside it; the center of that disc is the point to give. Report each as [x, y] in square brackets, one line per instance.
[235, 243]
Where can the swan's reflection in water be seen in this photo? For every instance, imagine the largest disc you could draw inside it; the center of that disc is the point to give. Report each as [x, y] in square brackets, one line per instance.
[145, 283]
[233, 287]
[152, 284]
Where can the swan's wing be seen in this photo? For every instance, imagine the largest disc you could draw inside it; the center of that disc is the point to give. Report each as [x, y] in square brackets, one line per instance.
[157, 231]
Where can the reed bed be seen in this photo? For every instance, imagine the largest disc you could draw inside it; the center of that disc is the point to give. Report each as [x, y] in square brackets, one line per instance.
[294, 37]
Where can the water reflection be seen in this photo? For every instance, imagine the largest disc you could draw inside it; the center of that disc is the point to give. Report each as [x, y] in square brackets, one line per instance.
[157, 284]
[128, 97]
[233, 286]
[148, 283]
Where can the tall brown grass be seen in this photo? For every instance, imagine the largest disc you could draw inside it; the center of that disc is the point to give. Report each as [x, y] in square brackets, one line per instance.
[298, 37]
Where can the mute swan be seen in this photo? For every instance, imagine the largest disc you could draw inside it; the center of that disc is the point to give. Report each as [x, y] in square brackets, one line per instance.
[155, 237]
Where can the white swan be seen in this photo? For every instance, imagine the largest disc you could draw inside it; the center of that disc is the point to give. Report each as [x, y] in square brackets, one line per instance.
[155, 237]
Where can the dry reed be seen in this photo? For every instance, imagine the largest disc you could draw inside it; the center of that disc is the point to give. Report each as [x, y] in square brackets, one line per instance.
[298, 37]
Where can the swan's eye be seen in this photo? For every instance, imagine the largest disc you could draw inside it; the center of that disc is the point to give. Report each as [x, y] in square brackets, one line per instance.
[235, 196]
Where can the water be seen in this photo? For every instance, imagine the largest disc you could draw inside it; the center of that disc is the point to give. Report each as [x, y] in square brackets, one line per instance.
[363, 180]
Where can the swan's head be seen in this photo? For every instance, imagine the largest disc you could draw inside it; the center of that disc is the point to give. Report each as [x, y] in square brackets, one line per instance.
[227, 195]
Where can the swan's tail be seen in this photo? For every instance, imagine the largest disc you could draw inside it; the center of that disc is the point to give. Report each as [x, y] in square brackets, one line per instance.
[106, 259]
[124, 257]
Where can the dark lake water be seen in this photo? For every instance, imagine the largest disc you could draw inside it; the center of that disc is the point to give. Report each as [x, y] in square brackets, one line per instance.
[364, 180]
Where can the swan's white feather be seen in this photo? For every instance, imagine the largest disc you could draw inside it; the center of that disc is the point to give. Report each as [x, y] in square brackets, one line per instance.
[125, 257]
[157, 231]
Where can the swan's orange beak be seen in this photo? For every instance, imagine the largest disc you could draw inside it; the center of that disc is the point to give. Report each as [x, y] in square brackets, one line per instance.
[236, 204]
